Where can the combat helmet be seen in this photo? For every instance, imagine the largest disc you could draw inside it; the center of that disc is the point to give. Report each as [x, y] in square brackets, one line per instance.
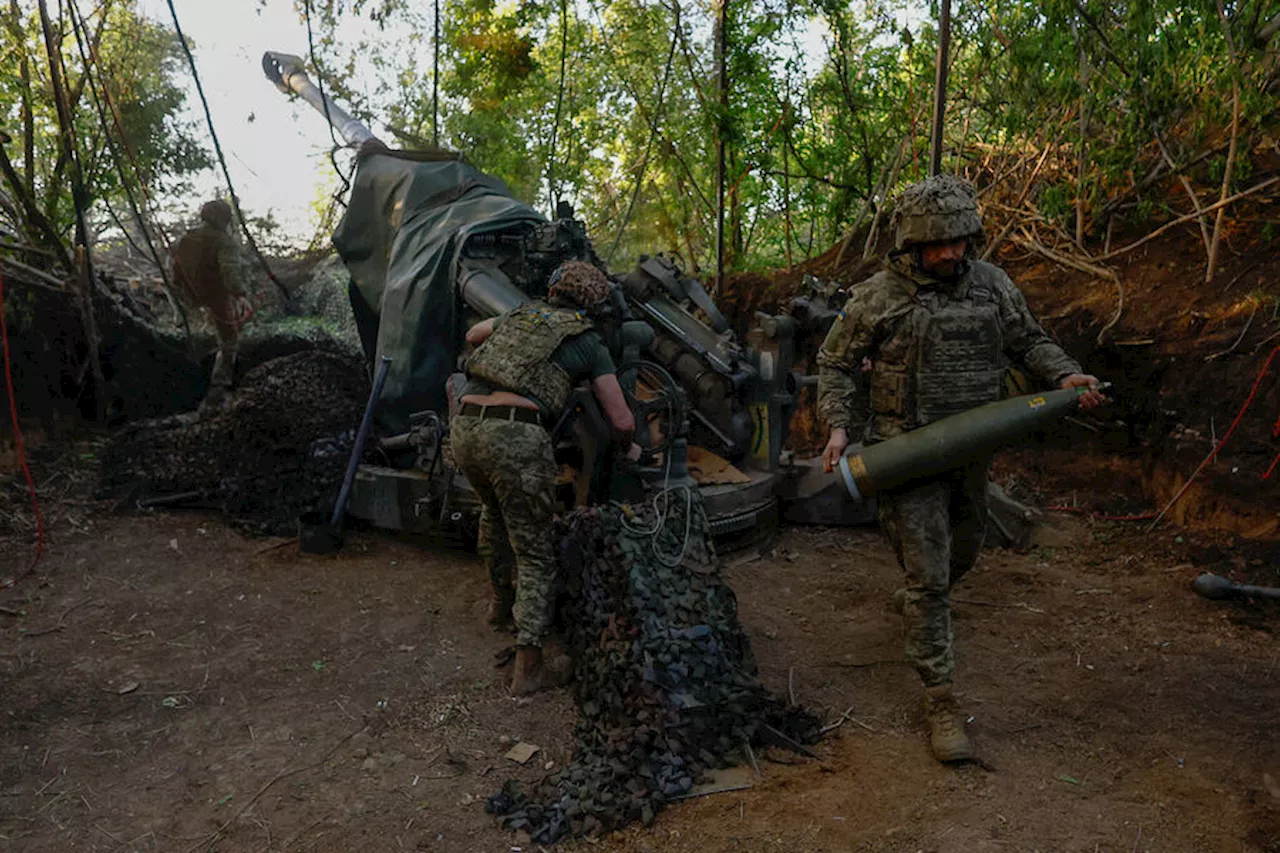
[217, 213]
[578, 282]
[940, 209]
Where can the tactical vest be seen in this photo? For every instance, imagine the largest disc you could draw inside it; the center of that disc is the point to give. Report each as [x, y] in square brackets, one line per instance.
[948, 358]
[517, 356]
[196, 268]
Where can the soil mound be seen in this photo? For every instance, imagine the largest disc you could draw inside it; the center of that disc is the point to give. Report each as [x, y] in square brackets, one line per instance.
[275, 449]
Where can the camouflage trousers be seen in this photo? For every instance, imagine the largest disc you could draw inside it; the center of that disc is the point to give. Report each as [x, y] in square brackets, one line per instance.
[511, 468]
[224, 363]
[936, 530]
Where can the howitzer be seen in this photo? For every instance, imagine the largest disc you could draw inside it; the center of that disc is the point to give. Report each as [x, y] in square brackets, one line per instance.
[289, 74]
[433, 244]
[952, 442]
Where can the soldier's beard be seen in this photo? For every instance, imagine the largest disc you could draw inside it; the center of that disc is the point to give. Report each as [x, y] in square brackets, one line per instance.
[946, 272]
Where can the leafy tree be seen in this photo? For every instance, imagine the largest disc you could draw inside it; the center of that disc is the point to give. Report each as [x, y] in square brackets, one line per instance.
[1119, 98]
[129, 108]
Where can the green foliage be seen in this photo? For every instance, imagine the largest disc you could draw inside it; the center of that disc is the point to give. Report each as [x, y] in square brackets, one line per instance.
[828, 110]
[1057, 201]
[136, 62]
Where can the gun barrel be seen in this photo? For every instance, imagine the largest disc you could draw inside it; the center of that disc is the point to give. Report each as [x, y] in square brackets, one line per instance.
[288, 73]
[952, 442]
[487, 291]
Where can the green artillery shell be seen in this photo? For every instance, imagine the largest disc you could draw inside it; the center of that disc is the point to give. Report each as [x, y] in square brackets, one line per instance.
[952, 442]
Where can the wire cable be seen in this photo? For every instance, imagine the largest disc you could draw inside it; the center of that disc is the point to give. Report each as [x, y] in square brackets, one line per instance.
[648, 146]
[222, 160]
[118, 122]
[553, 192]
[89, 59]
[660, 503]
[324, 99]
[1213, 454]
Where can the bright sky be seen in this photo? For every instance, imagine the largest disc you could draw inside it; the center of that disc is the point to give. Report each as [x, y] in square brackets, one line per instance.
[277, 151]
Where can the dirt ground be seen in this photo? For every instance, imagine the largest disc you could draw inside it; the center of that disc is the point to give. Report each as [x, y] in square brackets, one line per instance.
[169, 685]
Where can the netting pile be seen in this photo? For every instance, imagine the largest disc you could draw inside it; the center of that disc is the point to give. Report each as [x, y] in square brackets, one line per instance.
[277, 448]
[666, 685]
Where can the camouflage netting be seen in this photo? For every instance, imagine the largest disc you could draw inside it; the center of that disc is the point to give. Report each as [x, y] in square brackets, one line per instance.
[666, 685]
[277, 449]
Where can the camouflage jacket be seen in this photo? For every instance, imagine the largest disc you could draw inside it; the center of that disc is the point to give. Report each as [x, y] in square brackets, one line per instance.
[206, 265]
[877, 325]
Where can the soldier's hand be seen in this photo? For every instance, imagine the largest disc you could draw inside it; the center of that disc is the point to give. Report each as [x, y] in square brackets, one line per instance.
[241, 311]
[1090, 399]
[835, 448]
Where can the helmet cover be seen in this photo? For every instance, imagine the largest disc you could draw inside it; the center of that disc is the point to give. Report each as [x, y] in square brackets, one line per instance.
[579, 282]
[940, 209]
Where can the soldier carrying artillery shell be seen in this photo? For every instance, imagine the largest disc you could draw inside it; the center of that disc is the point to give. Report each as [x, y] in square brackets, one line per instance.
[939, 328]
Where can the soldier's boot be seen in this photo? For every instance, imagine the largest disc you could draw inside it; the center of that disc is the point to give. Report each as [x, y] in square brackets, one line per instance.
[501, 601]
[534, 672]
[947, 737]
[214, 398]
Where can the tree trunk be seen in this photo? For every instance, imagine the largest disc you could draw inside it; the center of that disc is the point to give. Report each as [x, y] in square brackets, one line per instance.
[26, 112]
[1083, 152]
[722, 118]
[1211, 267]
[35, 222]
[83, 259]
[736, 247]
[786, 194]
[435, 76]
[940, 87]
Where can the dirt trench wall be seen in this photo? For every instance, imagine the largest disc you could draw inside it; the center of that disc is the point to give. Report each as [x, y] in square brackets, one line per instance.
[1182, 361]
[151, 366]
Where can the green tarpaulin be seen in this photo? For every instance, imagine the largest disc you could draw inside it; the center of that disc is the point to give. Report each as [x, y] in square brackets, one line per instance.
[401, 238]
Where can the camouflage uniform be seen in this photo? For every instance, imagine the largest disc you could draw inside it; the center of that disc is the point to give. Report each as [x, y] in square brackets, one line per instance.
[206, 266]
[936, 348]
[510, 464]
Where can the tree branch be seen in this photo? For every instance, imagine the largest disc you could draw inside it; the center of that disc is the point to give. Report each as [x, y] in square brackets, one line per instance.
[37, 222]
[1267, 31]
[1256, 188]
[1029, 242]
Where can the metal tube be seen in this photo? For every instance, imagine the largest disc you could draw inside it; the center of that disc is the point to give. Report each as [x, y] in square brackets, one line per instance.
[940, 86]
[488, 291]
[1212, 586]
[362, 435]
[288, 73]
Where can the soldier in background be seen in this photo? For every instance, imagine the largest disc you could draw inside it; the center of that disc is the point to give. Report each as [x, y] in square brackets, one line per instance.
[939, 328]
[206, 266]
[519, 380]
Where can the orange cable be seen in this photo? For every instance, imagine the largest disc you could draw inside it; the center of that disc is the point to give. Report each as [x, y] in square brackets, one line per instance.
[21, 448]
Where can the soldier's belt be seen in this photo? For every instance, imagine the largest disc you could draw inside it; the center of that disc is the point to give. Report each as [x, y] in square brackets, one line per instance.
[501, 413]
